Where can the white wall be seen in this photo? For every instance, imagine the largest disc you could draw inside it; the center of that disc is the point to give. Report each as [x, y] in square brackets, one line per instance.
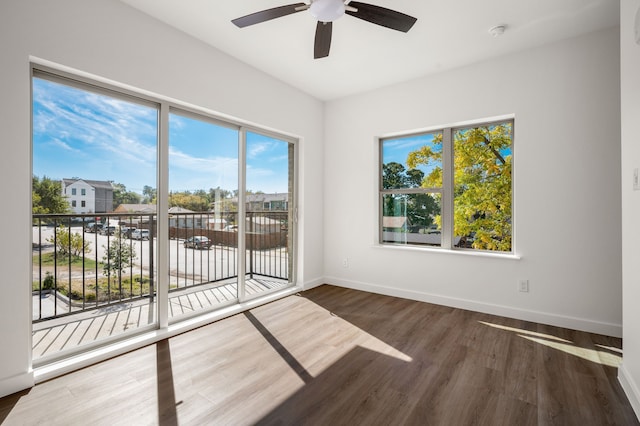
[629, 373]
[111, 40]
[566, 101]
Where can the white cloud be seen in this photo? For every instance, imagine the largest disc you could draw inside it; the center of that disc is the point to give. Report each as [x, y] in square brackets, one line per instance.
[57, 143]
[101, 122]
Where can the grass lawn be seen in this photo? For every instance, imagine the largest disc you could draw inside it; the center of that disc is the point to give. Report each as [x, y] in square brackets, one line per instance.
[49, 259]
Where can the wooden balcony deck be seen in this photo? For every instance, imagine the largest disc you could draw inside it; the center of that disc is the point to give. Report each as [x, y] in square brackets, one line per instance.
[84, 327]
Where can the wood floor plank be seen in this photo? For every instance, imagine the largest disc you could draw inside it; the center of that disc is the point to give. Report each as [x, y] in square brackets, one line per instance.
[337, 356]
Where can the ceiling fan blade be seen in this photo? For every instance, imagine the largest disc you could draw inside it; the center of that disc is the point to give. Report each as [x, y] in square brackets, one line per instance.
[267, 15]
[382, 16]
[322, 43]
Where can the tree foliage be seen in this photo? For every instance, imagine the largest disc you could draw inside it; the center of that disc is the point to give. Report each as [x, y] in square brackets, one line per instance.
[47, 198]
[199, 200]
[187, 200]
[68, 243]
[482, 183]
[122, 196]
[420, 208]
[149, 195]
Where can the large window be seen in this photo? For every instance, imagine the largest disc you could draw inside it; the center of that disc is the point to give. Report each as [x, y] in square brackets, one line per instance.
[449, 188]
[190, 213]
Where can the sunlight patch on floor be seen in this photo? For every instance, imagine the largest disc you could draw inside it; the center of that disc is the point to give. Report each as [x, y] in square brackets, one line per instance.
[521, 331]
[599, 357]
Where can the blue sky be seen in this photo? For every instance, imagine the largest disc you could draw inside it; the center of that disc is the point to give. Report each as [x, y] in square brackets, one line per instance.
[397, 150]
[83, 134]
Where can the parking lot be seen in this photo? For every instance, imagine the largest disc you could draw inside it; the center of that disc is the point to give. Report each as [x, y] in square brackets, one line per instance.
[186, 265]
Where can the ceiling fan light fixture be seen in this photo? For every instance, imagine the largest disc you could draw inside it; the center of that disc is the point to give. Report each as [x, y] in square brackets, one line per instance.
[327, 10]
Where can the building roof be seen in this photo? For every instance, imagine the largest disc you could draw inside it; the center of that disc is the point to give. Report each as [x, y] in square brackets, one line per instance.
[178, 209]
[101, 184]
[264, 198]
[393, 221]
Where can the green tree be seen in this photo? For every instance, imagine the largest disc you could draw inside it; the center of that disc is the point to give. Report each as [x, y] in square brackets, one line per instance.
[118, 256]
[122, 196]
[47, 198]
[68, 243]
[222, 193]
[187, 200]
[482, 183]
[149, 194]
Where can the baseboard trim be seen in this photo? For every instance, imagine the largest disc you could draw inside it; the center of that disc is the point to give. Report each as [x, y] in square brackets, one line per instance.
[630, 388]
[573, 323]
[16, 383]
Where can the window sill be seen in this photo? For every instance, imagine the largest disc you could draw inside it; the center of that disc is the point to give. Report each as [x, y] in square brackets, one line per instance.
[456, 252]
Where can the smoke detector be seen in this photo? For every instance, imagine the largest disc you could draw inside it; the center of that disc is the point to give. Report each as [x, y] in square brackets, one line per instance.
[498, 30]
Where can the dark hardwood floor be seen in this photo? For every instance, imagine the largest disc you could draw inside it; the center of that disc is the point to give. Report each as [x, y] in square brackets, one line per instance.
[332, 356]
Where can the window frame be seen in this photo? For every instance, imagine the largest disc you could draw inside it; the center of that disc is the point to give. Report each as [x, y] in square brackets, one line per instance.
[448, 185]
[165, 107]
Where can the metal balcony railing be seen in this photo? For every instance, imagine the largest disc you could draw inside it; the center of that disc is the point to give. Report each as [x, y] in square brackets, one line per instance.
[92, 261]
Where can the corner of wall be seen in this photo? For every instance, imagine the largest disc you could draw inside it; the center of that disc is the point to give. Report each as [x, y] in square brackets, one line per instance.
[630, 388]
[317, 282]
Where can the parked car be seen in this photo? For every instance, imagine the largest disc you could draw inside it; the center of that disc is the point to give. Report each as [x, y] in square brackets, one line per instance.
[126, 231]
[198, 242]
[92, 227]
[108, 230]
[140, 234]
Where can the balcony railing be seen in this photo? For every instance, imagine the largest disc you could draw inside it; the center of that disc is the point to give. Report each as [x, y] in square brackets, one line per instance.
[89, 262]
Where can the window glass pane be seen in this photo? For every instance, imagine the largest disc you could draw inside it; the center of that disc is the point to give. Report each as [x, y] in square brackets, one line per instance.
[269, 221]
[412, 162]
[482, 187]
[89, 285]
[412, 219]
[203, 206]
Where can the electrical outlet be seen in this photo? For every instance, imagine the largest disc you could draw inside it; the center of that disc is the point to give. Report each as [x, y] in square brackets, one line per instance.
[523, 286]
[345, 262]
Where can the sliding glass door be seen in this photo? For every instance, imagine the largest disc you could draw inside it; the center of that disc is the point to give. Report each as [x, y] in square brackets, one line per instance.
[269, 214]
[94, 153]
[147, 213]
[203, 216]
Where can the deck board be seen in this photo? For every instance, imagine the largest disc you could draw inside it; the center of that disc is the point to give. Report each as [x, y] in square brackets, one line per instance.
[73, 331]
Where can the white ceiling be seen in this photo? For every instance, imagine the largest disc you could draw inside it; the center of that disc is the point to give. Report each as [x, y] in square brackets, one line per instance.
[364, 56]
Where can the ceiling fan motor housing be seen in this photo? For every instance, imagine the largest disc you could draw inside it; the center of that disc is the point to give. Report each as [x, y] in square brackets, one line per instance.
[327, 10]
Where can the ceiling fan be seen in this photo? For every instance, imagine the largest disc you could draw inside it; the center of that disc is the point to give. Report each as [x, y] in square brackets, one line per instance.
[327, 11]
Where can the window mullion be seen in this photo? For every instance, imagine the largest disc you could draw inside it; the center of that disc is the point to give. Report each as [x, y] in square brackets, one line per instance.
[447, 187]
[242, 213]
[162, 224]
